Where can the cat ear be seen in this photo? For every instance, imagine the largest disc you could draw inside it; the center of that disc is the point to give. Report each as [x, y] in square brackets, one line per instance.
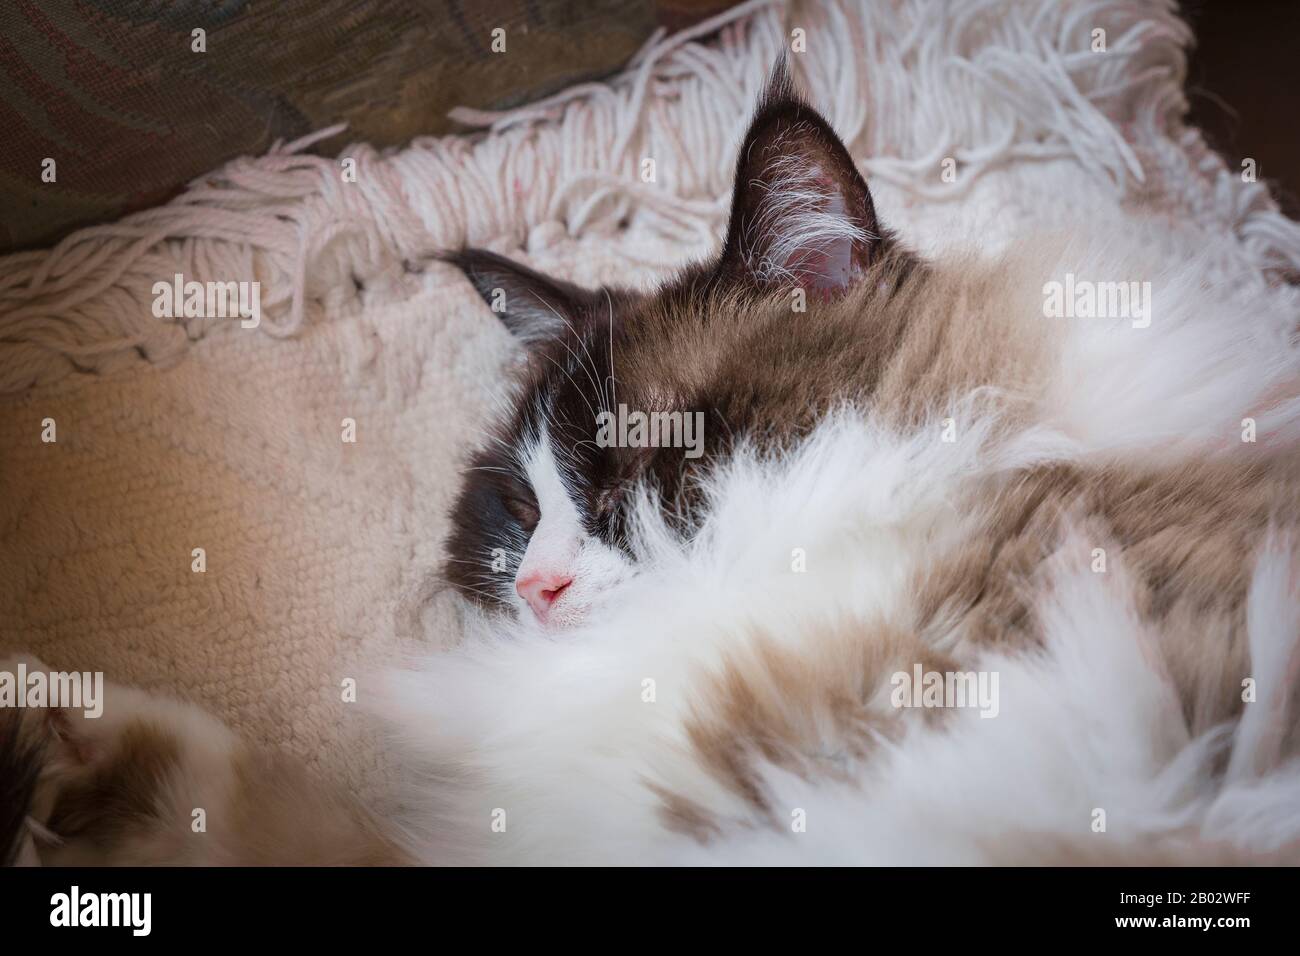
[801, 214]
[535, 308]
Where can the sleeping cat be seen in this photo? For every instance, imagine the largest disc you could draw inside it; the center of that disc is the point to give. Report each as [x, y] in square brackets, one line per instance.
[825, 553]
[915, 488]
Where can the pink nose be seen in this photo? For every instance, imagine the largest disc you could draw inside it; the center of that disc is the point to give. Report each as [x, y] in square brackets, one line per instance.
[541, 589]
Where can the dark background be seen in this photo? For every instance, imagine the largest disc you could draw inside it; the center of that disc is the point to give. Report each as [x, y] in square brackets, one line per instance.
[1243, 83]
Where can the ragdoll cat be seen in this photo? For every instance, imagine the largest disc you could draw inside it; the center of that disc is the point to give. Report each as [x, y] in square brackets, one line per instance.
[825, 553]
[939, 575]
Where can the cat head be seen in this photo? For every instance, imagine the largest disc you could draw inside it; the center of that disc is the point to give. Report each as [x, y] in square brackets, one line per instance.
[625, 390]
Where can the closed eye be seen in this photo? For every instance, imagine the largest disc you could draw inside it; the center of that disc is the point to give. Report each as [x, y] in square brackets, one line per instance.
[523, 511]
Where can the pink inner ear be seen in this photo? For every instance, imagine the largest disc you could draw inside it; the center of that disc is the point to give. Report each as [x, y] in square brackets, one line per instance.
[828, 257]
[826, 269]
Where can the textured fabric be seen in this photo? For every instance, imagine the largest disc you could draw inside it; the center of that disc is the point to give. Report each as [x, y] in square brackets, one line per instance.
[314, 548]
[320, 554]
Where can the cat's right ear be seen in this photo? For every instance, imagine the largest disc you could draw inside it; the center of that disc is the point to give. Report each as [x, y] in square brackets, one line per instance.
[801, 213]
[535, 308]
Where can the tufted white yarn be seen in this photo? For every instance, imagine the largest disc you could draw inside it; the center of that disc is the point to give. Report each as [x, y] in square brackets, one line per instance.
[912, 82]
[319, 552]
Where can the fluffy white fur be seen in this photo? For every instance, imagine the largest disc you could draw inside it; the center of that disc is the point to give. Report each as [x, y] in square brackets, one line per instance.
[557, 731]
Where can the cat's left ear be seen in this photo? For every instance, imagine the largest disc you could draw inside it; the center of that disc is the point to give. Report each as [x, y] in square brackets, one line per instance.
[535, 308]
[801, 214]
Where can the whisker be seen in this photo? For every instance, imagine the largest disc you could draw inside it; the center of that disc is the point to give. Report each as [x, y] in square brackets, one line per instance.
[590, 377]
[613, 385]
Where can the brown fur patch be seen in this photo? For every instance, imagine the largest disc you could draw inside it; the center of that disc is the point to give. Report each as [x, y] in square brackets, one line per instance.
[812, 715]
[131, 802]
[119, 795]
[1186, 538]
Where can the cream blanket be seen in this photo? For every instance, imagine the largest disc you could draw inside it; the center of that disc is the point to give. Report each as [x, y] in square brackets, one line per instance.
[971, 120]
